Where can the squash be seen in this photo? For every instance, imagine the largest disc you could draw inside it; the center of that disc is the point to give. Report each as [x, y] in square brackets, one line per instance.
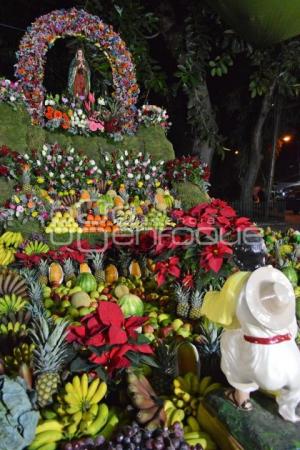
[111, 274]
[131, 305]
[87, 282]
[84, 268]
[56, 274]
[135, 269]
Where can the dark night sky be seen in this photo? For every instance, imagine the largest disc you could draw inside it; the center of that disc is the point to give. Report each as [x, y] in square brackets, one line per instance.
[20, 13]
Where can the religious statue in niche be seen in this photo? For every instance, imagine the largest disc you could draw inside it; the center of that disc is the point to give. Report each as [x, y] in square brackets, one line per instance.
[79, 83]
[256, 307]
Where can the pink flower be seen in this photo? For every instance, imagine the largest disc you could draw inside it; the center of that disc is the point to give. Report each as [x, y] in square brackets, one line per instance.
[95, 126]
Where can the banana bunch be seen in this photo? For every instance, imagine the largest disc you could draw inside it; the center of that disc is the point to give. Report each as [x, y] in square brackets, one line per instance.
[11, 304]
[36, 248]
[189, 390]
[173, 414]
[9, 242]
[21, 354]
[199, 437]
[47, 435]
[15, 323]
[81, 408]
[12, 283]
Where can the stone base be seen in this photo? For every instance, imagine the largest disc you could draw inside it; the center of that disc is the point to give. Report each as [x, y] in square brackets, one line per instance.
[259, 429]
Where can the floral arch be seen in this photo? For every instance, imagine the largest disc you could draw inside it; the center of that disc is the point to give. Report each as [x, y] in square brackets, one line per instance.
[42, 34]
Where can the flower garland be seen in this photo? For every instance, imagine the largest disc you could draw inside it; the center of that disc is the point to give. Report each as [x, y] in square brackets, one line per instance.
[46, 30]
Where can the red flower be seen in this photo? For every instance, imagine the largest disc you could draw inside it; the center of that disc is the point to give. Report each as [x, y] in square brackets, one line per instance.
[108, 328]
[177, 213]
[188, 281]
[165, 268]
[4, 171]
[213, 255]
[4, 150]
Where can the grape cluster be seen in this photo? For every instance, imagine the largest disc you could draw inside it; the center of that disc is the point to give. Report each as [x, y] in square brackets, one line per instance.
[135, 438]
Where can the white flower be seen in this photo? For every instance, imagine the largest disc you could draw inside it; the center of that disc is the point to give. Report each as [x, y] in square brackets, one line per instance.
[80, 163]
[130, 175]
[136, 161]
[46, 102]
[161, 163]
[154, 168]
[92, 162]
[38, 163]
[49, 157]
[122, 158]
[126, 163]
[62, 176]
[79, 112]
[101, 101]
[26, 156]
[12, 98]
[147, 176]
[106, 158]
[99, 171]
[126, 153]
[140, 154]
[51, 174]
[59, 157]
[118, 166]
[45, 147]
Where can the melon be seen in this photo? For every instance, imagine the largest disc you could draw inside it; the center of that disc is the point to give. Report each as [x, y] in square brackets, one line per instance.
[87, 282]
[291, 274]
[121, 290]
[131, 305]
[80, 299]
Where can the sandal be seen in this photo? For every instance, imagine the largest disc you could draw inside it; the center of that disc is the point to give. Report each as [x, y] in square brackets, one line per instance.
[245, 406]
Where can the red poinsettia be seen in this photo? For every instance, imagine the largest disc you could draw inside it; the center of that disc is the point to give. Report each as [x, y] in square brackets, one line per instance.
[212, 256]
[168, 267]
[107, 329]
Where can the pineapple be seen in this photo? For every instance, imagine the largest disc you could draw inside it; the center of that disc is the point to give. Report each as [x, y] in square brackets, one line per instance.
[69, 270]
[196, 303]
[49, 356]
[182, 296]
[163, 375]
[36, 299]
[208, 346]
[43, 272]
[26, 180]
[98, 267]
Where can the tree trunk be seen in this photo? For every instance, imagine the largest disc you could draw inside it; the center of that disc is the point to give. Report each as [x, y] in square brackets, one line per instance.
[202, 114]
[256, 154]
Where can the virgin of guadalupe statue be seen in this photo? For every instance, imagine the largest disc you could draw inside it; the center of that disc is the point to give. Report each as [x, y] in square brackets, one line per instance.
[79, 76]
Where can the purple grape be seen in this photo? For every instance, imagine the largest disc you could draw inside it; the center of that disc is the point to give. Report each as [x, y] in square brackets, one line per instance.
[69, 446]
[99, 440]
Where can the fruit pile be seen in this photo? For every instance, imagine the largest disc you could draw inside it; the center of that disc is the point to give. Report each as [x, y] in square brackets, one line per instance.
[96, 223]
[63, 223]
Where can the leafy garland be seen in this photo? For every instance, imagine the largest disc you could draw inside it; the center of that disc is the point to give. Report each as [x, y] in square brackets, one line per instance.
[42, 34]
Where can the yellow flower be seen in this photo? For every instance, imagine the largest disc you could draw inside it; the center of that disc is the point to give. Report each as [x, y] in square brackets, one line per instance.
[40, 180]
[16, 199]
[157, 183]
[72, 192]
[34, 214]
[109, 182]
[140, 184]
[90, 181]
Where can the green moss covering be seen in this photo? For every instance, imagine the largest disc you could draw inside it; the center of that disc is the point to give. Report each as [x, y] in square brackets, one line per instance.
[260, 429]
[190, 194]
[17, 133]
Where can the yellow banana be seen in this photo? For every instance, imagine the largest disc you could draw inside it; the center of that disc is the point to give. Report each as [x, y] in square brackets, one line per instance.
[212, 387]
[177, 416]
[84, 385]
[71, 390]
[77, 417]
[50, 446]
[73, 409]
[77, 386]
[92, 388]
[49, 425]
[72, 430]
[46, 437]
[193, 423]
[100, 420]
[204, 383]
[71, 399]
[99, 394]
